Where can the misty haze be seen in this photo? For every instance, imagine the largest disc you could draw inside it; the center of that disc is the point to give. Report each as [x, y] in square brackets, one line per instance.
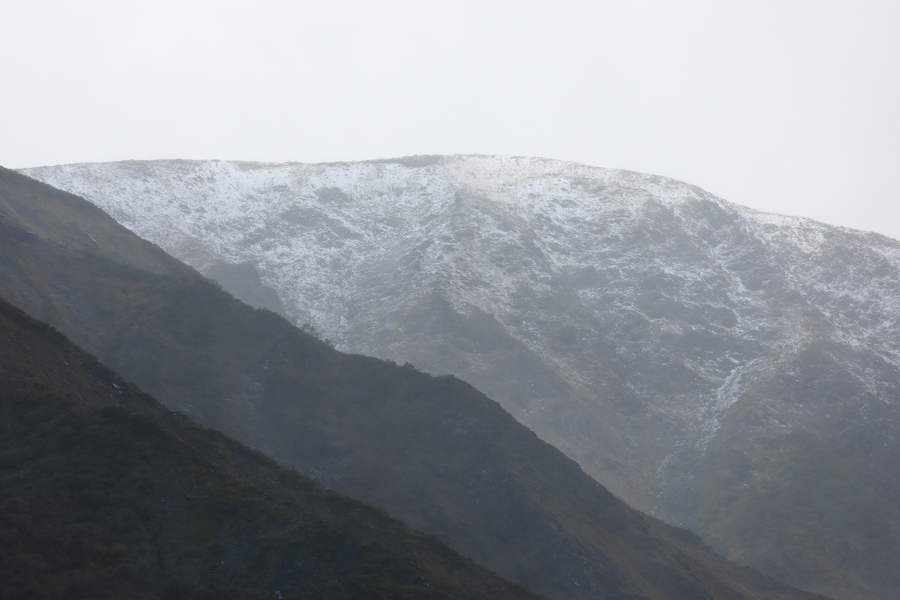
[502, 300]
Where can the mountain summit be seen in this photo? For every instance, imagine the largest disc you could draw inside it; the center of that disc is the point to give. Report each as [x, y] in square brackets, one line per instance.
[731, 371]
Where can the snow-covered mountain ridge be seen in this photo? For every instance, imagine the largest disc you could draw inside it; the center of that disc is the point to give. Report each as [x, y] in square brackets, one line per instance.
[666, 339]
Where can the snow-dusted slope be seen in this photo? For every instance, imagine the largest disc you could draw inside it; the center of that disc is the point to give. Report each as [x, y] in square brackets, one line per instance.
[666, 339]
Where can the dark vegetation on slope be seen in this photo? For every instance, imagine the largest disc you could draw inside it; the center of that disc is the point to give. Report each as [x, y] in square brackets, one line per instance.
[432, 451]
[106, 494]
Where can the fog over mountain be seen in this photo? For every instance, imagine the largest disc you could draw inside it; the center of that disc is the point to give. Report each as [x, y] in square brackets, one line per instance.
[431, 450]
[731, 371]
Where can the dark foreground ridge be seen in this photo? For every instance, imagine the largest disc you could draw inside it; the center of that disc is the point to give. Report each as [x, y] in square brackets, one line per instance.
[106, 494]
[432, 451]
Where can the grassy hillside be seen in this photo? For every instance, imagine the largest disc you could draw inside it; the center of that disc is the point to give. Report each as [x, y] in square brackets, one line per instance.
[106, 494]
[432, 451]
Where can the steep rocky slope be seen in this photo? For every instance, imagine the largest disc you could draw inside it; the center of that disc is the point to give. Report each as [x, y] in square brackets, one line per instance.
[431, 450]
[699, 358]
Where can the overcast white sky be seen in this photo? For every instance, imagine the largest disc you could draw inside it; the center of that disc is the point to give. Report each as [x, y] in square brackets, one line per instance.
[785, 106]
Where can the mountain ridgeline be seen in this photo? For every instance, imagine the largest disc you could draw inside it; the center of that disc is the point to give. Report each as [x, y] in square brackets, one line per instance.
[733, 372]
[432, 451]
[104, 493]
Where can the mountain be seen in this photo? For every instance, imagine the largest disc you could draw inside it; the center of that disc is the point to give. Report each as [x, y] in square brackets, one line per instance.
[106, 494]
[430, 450]
[731, 371]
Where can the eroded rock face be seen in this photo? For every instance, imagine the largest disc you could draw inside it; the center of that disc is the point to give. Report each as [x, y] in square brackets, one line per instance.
[699, 358]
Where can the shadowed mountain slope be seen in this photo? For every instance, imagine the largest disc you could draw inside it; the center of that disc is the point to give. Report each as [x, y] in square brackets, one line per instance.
[728, 370]
[432, 451]
[106, 494]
